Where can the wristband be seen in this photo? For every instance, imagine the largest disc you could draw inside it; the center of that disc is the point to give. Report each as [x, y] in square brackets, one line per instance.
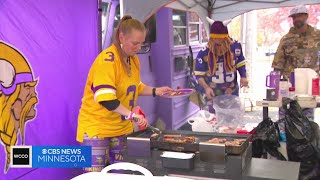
[130, 117]
[154, 92]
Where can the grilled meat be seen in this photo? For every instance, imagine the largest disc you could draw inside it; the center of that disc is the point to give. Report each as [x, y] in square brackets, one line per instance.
[217, 141]
[179, 139]
[155, 135]
[234, 142]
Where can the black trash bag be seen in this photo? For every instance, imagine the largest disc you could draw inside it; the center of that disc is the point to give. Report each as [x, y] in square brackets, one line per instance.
[302, 140]
[296, 116]
[316, 141]
[266, 139]
[257, 148]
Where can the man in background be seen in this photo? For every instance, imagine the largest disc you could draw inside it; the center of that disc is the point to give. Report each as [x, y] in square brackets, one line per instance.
[299, 48]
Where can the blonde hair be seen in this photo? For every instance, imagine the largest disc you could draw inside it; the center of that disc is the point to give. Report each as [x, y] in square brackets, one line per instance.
[126, 25]
[225, 51]
[8, 134]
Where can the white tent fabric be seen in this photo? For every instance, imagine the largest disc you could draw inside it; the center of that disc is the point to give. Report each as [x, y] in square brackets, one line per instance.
[142, 9]
[227, 9]
[221, 9]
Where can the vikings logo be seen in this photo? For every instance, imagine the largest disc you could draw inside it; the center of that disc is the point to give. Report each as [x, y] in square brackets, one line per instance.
[18, 97]
[114, 142]
[99, 160]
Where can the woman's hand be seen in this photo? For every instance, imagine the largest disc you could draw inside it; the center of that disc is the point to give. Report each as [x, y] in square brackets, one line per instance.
[140, 120]
[161, 90]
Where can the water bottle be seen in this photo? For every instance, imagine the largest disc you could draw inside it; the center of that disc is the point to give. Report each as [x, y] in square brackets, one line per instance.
[283, 137]
[292, 93]
[283, 88]
[282, 130]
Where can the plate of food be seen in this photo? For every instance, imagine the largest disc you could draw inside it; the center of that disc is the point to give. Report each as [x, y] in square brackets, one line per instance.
[177, 93]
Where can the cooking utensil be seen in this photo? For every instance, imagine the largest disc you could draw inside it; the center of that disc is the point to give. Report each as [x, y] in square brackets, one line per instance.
[154, 130]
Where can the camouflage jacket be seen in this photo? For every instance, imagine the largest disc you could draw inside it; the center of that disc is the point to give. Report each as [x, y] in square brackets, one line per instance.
[298, 50]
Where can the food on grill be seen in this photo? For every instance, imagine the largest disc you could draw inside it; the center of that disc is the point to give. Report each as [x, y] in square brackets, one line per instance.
[171, 135]
[188, 139]
[217, 141]
[235, 142]
[232, 143]
[240, 140]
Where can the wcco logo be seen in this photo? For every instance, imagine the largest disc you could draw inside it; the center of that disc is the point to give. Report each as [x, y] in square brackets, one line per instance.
[21, 156]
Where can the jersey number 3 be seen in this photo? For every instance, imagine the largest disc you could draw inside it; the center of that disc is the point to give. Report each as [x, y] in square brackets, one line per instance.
[131, 89]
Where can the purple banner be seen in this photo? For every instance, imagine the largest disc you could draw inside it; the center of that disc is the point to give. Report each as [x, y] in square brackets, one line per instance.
[53, 43]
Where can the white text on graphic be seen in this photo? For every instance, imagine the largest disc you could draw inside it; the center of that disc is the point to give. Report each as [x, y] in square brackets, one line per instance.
[71, 151]
[63, 151]
[61, 158]
[21, 156]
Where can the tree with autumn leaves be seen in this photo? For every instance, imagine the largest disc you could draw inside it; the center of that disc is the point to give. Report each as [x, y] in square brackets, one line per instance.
[275, 23]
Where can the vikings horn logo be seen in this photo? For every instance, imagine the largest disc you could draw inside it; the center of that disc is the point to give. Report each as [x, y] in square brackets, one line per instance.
[18, 97]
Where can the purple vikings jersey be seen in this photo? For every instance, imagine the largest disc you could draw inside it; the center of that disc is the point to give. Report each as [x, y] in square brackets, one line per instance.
[221, 80]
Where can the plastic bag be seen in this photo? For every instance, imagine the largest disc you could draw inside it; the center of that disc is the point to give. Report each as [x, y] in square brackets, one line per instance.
[229, 111]
[202, 121]
[266, 139]
[302, 140]
[267, 131]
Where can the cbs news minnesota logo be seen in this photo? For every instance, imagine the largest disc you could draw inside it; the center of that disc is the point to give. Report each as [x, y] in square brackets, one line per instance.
[50, 156]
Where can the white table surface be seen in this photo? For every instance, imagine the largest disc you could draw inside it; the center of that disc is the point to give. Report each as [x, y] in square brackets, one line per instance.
[303, 104]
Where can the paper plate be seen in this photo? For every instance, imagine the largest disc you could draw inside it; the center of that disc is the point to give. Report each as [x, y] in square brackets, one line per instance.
[185, 92]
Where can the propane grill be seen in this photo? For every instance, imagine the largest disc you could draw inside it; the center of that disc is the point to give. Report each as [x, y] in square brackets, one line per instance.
[214, 155]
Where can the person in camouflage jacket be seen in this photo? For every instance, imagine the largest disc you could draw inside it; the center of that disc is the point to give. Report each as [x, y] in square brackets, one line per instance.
[299, 48]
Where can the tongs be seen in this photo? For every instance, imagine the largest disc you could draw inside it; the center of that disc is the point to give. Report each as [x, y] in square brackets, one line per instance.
[154, 130]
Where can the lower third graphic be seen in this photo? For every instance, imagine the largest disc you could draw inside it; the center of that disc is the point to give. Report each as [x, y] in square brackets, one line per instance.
[51, 156]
